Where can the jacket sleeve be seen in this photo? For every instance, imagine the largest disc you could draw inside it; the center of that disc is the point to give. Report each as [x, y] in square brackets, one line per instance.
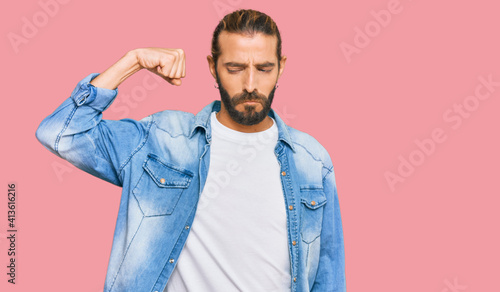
[331, 269]
[75, 131]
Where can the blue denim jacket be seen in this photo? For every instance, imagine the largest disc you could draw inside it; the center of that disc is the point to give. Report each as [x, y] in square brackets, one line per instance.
[162, 161]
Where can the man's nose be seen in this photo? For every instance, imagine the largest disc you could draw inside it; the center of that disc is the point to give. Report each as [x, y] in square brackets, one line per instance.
[250, 80]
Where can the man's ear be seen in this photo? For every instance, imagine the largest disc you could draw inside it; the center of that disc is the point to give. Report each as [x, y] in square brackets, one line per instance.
[282, 65]
[211, 66]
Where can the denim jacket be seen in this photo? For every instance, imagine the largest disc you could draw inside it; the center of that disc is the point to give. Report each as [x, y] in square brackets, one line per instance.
[161, 162]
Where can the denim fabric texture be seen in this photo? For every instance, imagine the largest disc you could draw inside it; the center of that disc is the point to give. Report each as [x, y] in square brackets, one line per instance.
[161, 162]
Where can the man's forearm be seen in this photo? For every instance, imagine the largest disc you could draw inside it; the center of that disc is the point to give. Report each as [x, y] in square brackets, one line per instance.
[118, 72]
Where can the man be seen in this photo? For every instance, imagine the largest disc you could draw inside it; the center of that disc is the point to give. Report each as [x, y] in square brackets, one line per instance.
[231, 199]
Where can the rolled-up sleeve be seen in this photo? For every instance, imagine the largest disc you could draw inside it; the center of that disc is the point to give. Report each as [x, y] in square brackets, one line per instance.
[75, 131]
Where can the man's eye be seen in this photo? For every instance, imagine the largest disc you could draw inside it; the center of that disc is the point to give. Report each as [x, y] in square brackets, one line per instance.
[237, 70]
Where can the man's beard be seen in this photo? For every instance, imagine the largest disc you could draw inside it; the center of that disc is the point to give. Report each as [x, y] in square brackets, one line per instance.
[249, 116]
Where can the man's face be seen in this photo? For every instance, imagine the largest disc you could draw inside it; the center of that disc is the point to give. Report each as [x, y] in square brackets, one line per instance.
[247, 72]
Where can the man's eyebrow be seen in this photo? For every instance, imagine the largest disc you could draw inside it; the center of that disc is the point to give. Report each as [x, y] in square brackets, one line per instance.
[235, 64]
[266, 64]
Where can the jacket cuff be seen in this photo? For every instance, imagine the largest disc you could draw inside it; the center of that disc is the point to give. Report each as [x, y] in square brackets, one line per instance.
[95, 97]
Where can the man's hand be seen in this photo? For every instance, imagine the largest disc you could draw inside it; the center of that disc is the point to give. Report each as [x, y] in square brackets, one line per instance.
[170, 64]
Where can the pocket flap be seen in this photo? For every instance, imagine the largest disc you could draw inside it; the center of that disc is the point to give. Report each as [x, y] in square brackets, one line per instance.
[312, 198]
[166, 175]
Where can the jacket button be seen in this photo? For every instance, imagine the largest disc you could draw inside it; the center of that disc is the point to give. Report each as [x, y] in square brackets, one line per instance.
[290, 207]
[162, 180]
[171, 261]
[187, 227]
[313, 203]
[283, 173]
[294, 242]
[294, 279]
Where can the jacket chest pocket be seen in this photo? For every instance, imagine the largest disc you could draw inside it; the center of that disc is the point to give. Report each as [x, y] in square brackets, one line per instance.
[160, 186]
[312, 202]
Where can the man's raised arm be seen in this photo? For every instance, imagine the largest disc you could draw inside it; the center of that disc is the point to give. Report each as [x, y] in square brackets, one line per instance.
[76, 132]
[166, 63]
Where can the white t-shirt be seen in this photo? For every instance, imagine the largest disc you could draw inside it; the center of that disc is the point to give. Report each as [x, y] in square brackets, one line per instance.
[238, 239]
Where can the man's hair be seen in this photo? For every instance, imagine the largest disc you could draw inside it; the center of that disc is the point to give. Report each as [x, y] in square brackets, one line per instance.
[248, 22]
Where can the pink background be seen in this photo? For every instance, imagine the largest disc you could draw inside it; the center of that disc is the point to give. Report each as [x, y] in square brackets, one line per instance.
[435, 230]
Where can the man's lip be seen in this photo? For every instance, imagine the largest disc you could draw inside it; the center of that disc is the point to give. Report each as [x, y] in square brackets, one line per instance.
[251, 102]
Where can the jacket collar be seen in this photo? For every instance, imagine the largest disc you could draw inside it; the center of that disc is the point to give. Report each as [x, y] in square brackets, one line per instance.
[202, 120]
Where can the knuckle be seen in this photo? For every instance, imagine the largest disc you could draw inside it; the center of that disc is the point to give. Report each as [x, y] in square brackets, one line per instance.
[170, 58]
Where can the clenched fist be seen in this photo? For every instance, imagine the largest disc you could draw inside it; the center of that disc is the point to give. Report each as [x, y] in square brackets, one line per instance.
[170, 64]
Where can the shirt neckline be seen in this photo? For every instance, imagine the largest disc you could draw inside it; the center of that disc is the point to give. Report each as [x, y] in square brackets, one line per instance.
[223, 131]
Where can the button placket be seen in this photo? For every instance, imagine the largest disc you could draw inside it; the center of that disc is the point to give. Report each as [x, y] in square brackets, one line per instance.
[288, 193]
